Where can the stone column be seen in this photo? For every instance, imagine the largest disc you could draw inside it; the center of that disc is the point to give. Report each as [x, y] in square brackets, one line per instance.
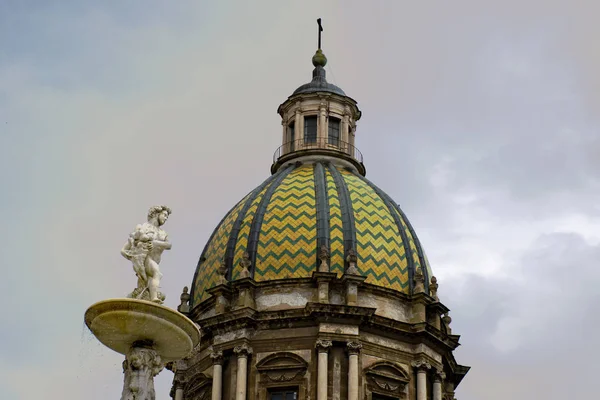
[437, 384]
[322, 128]
[344, 134]
[179, 393]
[353, 351]
[422, 366]
[242, 352]
[284, 138]
[298, 127]
[217, 383]
[323, 349]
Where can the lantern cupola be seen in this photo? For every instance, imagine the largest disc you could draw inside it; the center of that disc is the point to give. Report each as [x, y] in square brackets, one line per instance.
[319, 122]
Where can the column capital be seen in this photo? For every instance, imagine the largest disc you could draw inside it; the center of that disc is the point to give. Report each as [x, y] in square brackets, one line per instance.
[353, 347]
[439, 375]
[323, 345]
[421, 365]
[242, 350]
[217, 357]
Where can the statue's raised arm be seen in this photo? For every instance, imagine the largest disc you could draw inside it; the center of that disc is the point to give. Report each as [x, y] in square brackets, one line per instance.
[144, 249]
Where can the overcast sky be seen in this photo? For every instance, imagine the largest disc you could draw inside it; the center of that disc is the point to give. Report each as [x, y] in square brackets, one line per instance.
[480, 121]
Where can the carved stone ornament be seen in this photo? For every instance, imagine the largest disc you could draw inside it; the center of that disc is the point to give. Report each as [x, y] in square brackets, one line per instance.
[387, 379]
[217, 357]
[352, 259]
[140, 367]
[433, 288]
[184, 306]
[447, 320]
[282, 367]
[324, 256]
[242, 350]
[245, 264]
[222, 271]
[323, 345]
[439, 375]
[199, 388]
[419, 281]
[144, 249]
[353, 347]
[421, 364]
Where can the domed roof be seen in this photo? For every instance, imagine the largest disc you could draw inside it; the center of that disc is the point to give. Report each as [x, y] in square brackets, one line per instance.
[319, 82]
[283, 223]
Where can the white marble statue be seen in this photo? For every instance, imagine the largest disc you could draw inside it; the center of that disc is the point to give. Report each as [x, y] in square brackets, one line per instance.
[144, 249]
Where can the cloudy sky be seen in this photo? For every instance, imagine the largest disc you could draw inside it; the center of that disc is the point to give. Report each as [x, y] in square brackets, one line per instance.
[481, 121]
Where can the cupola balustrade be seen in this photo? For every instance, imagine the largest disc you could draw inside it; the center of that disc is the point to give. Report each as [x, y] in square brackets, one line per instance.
[318, 146]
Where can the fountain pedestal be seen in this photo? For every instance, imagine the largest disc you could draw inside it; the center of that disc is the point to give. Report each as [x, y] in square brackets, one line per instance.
[148, 334]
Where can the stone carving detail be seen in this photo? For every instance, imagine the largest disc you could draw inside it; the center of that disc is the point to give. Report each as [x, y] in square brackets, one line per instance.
[447, 320]
[352, 259]
[419, 281]
[140, 367]
[222, 271]
[439, 375]
[421, 364]
[242, 350]
[323, 345]
[217, 357]
[353, 347]
[324, 257]
[433, 288]
[184, 307]
[144, 249]
[199, 388]
[282, 367]
[245, 264]
[387, 379]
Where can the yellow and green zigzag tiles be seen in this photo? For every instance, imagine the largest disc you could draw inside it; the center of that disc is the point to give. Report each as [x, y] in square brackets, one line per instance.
[242, 239]
[207, 271]
[411, 242]
[287, 242]
[336, 238]
[379, 245]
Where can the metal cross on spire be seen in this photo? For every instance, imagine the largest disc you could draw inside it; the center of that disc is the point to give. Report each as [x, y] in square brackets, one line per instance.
[320, 30]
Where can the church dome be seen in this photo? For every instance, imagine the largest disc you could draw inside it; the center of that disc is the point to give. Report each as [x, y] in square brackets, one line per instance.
[284, 223]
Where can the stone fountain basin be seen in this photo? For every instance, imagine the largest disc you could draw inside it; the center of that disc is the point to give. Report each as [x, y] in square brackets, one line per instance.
[119, 323]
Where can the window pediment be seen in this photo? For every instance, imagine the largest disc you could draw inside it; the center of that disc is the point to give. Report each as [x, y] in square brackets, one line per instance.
[387, 379]
[282, 367]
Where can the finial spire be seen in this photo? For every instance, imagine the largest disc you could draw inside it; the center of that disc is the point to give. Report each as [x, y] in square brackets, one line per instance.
[319, 59]
[320, 30]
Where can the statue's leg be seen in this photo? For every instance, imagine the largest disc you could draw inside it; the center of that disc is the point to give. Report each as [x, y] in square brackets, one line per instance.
[153, 274]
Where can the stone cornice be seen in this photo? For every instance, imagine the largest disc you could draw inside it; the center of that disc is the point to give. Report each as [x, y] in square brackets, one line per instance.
[315, 312]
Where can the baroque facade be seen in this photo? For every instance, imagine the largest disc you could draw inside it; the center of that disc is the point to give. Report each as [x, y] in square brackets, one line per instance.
[315, 286]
